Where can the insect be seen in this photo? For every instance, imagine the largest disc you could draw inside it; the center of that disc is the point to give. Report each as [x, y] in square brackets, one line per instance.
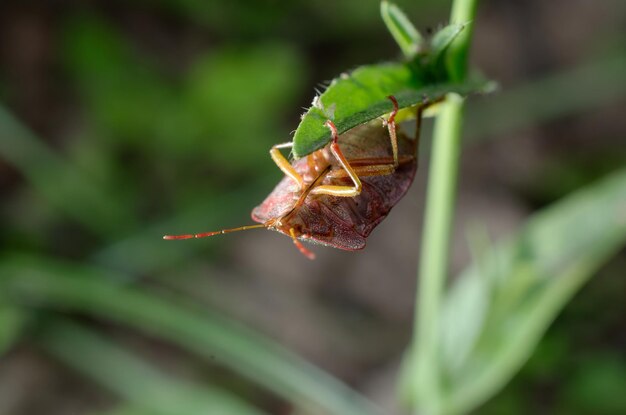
[337, 195]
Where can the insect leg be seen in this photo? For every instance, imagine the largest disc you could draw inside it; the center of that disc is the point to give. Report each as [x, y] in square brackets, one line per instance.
[372, 170]
[284, 165]
[379, 166]
[391, 126]
[334, 190]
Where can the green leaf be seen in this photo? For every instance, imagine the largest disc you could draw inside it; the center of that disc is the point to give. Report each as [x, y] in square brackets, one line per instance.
[356, 98]
[401, 28]
[34, 280]
[133, 378]
[499, 309]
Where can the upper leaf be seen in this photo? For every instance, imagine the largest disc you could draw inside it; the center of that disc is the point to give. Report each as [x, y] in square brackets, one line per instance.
[356, 98]
[401, 28]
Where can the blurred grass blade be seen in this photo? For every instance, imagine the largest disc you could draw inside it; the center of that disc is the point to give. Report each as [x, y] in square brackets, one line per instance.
[126, 409]
[132, 378]
[12, 320]
[356, 98]
[34, 280]
[401, 28]
[599, 82]
[498, 310]
[65, 187]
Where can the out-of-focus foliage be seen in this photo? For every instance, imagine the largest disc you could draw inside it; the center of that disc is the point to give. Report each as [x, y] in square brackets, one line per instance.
[121, 121]
[11, 322]
[45, 283]
[499, 308]
[130, 377]
[210, 108]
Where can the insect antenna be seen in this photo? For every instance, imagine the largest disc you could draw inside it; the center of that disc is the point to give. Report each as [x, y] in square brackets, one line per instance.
[205, 234]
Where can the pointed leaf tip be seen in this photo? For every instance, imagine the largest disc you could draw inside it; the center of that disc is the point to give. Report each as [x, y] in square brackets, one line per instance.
[401, 28]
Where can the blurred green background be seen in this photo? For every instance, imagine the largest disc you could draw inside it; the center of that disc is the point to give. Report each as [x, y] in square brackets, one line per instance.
[124, 120]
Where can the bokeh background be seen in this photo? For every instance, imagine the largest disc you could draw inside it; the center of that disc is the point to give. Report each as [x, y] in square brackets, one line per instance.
[124, 120]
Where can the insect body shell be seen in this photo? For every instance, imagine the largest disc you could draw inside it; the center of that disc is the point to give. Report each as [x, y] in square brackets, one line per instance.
[341, 222]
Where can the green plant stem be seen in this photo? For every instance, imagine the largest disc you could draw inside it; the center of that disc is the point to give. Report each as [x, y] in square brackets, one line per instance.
[434, 257]
[438, 224]
[463, 12]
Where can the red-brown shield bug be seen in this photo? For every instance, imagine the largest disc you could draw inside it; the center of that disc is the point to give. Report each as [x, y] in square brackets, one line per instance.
[337, 195]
